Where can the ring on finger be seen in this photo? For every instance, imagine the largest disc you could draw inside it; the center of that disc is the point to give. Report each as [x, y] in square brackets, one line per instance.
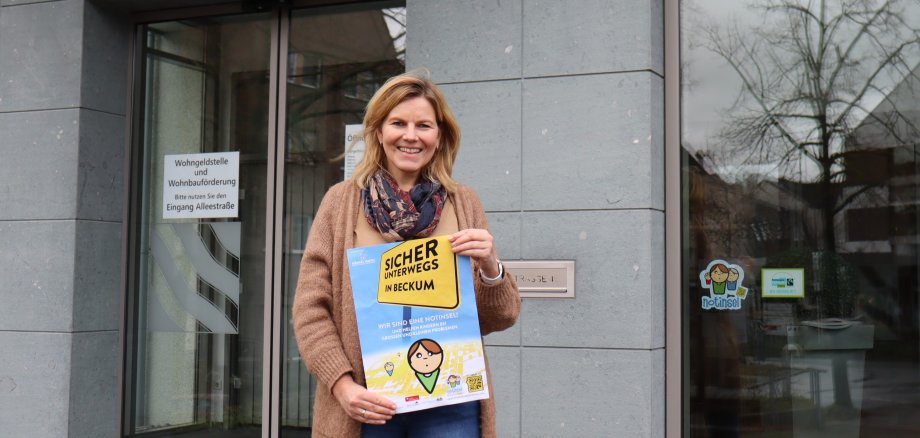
[363, 411]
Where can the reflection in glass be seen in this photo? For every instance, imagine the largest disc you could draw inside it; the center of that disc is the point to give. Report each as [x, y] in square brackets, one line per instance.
[198, 364]
[333, 76]
[800, 134]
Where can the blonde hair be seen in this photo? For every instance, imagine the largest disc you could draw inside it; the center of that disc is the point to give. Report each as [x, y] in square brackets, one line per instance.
[395, 91]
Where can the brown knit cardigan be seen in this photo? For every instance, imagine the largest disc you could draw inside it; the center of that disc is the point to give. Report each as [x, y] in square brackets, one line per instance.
[324, 311]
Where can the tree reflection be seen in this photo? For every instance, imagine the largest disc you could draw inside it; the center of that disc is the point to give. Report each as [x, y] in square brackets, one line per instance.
[811, 75]
[815, 104]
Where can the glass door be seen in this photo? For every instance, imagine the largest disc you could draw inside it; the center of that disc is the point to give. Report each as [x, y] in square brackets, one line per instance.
[224, 205]
[199, 337]
[800, 151]
[336, 60]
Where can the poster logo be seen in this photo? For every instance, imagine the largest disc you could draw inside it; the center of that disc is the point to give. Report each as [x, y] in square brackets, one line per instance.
[724, 282]
[419, 273]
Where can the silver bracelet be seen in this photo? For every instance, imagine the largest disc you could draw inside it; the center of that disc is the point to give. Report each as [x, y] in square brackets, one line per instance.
[493, 280]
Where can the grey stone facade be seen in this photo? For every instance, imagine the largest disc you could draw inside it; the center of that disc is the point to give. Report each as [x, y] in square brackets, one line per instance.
[63, 88]
[561, 106]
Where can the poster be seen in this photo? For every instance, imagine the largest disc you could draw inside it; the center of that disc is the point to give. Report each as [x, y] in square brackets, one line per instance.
[418, 324]
[201, 185]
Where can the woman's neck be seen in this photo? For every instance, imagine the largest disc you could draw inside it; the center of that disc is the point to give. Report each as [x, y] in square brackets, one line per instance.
[406, 182]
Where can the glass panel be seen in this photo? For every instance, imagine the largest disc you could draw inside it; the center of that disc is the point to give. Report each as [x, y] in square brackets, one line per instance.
[800, 191]
[202, 260]
[332, 74]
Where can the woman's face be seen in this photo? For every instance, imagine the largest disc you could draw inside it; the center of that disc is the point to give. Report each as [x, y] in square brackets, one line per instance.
[409, 136]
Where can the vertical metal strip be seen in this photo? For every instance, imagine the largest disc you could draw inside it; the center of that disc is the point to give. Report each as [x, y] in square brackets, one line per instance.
[268, 364]
[128, 331]
[674, 306]
[278, 244]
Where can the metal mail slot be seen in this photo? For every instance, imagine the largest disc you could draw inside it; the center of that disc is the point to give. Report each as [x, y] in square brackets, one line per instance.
[543, 278]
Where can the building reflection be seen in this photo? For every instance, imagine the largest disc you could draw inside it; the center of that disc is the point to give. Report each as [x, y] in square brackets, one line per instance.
[845, 359]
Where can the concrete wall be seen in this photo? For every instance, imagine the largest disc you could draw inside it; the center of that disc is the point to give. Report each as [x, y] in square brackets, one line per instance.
[561, 107]
[63, 84]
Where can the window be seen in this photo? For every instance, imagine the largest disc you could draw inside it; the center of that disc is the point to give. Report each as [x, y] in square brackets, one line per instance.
[800, 129]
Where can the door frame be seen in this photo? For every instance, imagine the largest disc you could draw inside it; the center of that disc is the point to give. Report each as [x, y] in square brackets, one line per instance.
[674, 333]
[133, 215]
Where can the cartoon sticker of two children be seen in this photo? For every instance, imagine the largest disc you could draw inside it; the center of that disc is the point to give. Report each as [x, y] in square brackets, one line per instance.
[722, 277]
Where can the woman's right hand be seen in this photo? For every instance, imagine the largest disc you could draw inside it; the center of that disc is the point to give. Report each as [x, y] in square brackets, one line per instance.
[361, 404]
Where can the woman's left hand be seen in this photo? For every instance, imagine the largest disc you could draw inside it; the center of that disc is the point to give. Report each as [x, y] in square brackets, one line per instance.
[477, 244]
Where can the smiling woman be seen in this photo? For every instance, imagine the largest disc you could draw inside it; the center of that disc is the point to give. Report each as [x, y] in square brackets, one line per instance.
[401, 190]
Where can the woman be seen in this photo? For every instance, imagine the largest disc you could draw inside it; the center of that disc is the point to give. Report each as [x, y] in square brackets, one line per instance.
[402, 189]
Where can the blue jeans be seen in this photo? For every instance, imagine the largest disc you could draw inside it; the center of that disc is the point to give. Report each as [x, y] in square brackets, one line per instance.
[453, 421]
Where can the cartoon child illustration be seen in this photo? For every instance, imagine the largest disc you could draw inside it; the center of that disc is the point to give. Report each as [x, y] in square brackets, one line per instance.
[453, 380]
[388, 367]
[425, 358]
[721, 283]
[732, 279]
[718, 275]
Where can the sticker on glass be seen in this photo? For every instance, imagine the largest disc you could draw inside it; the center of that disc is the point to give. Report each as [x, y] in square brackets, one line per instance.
[782, 282]
[724, 282]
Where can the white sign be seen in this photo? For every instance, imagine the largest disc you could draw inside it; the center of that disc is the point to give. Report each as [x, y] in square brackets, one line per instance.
[201, 185]
[782, 283]
[354, 147]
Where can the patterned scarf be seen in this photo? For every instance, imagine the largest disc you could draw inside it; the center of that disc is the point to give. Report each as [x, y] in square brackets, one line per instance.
[401, 215]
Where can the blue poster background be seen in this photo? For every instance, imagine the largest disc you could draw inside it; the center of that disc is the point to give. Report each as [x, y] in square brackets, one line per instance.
[386, 332]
